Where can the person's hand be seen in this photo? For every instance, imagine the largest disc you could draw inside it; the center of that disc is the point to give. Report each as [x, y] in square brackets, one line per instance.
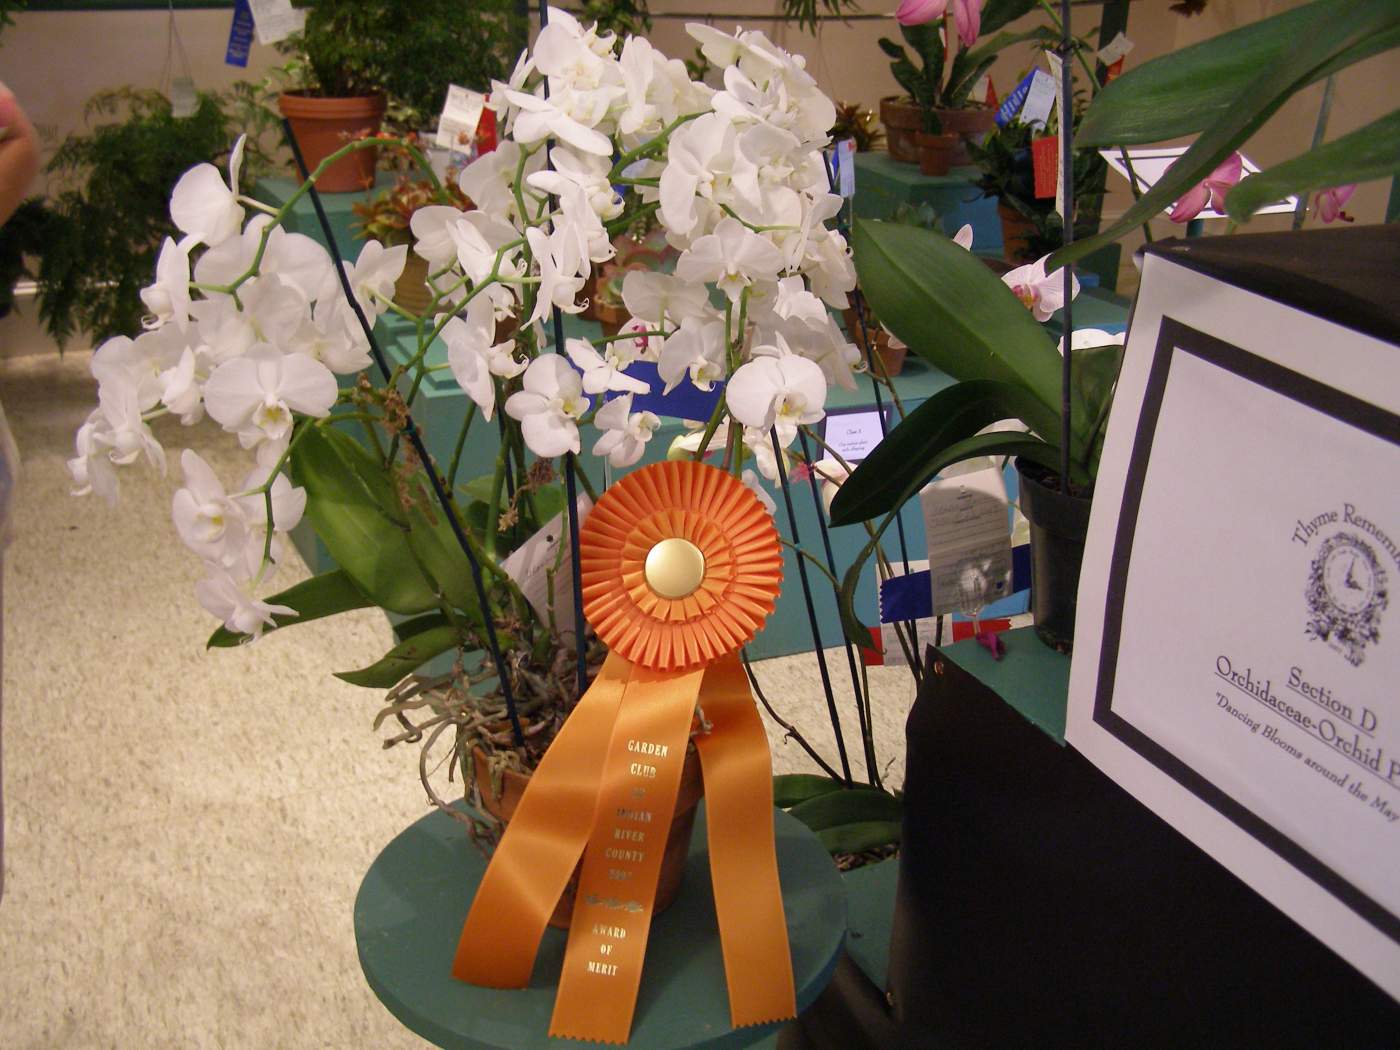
[19, 154]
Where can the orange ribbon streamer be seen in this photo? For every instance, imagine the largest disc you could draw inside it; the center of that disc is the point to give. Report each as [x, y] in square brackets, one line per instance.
[606, 788]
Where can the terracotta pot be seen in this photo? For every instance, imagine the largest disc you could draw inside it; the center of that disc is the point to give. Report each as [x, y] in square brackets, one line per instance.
[903, 120]
[668, 885]
[936, 153]
[323, 125]
[891, 358]
[1016, 233]
[968, 125]
[411, 290]
[611, 317]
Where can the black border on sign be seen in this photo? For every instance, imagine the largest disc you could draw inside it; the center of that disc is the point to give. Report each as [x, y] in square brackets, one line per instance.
[1175, 337]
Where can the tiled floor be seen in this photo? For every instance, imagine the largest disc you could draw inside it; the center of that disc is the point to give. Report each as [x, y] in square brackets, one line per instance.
[186, 830]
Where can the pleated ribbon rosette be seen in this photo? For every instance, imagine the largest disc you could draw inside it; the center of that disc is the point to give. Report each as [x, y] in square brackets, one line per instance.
[681, 565]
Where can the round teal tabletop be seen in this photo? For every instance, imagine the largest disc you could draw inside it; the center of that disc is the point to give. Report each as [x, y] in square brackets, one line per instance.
[414, 899]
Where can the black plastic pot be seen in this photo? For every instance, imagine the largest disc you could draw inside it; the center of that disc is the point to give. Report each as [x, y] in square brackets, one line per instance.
[1059, 524]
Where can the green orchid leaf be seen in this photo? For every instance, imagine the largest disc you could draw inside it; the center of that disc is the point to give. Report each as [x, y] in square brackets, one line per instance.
[848, 806]
[1185, 91]
[479, 488]
[997, 443]
[953, 414]
[324, 595]
[1371, 152]
[1094, 377]
[970, 64]
[791, 788]
[423, 638]
[1323, 39]
[853, 838]
[348, 513]
[997, 13]
[954, 312]
[437, 550]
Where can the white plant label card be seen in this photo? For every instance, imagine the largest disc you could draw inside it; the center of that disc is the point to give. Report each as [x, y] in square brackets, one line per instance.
[1238, 640]
[967, 523]
[852, 435]
[276, 19]
[461, 114]
[542, 568]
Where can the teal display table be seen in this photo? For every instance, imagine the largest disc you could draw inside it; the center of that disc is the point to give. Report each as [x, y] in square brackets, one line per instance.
[413, 900]
[883, 184]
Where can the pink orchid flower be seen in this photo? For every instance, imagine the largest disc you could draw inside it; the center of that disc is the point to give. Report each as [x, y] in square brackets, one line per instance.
[1210, 190]
[1330, 202]
[967, 15]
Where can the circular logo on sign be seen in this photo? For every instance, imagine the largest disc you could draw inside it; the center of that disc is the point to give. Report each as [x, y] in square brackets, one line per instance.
[1346, 595]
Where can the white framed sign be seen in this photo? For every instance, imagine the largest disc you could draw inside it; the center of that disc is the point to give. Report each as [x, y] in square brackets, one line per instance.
[852, 433]
[1237, 649]
[1151, 163]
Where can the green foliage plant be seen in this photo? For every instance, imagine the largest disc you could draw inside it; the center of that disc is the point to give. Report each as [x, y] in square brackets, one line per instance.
[933, 82]
[106, 222]
[410, 52]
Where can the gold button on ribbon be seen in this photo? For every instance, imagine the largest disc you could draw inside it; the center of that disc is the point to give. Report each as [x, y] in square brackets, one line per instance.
[675, 567]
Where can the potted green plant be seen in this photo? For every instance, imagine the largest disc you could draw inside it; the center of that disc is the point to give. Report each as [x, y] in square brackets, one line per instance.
[938, 80]
[1030, 226]
[250, 326]
[108, 212]
[859, 125]
[352, 56]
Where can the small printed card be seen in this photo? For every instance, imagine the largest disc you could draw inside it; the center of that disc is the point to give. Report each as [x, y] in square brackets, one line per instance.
[967, 522]
[461, 114]
[542, 568]
[276, 19]
[852, 435]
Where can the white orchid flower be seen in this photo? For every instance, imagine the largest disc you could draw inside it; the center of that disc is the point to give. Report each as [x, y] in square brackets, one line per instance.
[182, 385]
[696, 349]
[625, 433]
[233, 603]
[203, 206]
[254, 396]
[699, 158]
[585, 172]
[830, 474]
[489, 180]
[540, 118]
[549, 407]
[662, 298]
[432, 238]
[373, 274]
[92, 469]
[733, 258]
[209, 522]
[138, 362]
[782, 391]
[473, 357]
[605, 371]
[332, 335]
[828, 268]
[1042, 292]
[963, 238]
[557, 287]
[750, 480]
[169, 298]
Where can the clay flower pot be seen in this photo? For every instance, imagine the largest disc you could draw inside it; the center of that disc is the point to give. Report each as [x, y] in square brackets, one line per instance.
[1016, 233]
[323, 125]
[936, 152]
[668, 886]
[968, 125]
[903, 120]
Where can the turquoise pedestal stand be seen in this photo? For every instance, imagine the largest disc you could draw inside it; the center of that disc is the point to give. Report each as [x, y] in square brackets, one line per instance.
[413, 900]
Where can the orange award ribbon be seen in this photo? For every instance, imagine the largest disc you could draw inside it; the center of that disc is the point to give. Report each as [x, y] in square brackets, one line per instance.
[680, 566]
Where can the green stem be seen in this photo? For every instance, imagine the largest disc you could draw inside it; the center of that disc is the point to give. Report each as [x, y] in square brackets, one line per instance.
[461, 443]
